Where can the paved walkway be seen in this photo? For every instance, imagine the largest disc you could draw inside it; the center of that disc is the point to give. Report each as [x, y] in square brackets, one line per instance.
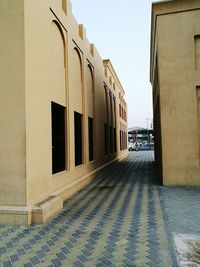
[117, 220]
[182, 209]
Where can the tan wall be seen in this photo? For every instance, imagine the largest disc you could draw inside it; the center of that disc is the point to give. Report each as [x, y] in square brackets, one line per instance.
[59, 65]
[12, 104]
[178, 79]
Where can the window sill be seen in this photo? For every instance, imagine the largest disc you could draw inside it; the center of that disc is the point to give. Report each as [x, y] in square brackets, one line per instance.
[59, 173]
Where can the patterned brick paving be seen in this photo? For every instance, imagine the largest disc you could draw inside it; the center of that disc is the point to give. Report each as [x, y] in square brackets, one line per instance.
[117, 220]
[182, 208]
[182, 205]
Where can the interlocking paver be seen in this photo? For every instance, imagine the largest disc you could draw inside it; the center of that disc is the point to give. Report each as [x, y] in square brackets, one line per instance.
[7, 264]
[183, 219]
[119, 219]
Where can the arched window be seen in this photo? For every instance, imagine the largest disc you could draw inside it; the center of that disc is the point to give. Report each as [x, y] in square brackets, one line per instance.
[77, 102]
[111, 124]
[111, 109]
[106, 103]
[76, 79]
[90, 91]
[114, 124]
[114, 111]
[106, 126]
[57, 68]
[58, 45]
[58, 97]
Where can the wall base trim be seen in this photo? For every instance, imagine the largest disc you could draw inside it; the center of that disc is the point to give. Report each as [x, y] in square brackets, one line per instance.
[15, 215]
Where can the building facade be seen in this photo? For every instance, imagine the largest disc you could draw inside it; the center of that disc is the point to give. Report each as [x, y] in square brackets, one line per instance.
[175, 78]
[62, 109]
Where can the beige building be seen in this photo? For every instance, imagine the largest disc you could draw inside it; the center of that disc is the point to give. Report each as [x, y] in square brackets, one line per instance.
[175, 78]
[62, 110]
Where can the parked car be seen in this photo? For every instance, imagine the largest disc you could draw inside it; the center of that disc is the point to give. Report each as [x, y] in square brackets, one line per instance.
[134, 146]
[131, 147]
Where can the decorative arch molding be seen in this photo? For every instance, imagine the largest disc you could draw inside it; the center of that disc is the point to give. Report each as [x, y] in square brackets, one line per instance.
[111, 108]
[77, 80]
[92, 75]
[59, 27]
[106, 104]
[80, 59]
[114, 111]
[90, 90]
[58, 63]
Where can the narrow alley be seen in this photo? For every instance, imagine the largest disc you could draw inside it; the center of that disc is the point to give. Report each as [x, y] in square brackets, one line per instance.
[117, 220]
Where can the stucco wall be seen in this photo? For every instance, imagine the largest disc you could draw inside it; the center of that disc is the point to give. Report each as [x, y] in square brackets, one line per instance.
[178, 79]
[12, 104]
[58, 64]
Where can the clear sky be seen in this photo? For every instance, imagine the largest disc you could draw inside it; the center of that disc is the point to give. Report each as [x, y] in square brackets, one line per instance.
[120, 31]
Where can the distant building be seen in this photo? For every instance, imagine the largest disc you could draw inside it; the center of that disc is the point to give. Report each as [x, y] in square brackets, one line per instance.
[175, 78]
[140, 135]
[62, 109]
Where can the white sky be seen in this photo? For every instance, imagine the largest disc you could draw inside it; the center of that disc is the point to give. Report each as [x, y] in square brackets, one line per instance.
[120, 31]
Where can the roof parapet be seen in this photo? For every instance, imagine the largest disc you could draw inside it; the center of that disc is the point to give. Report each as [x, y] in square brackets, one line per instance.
[66, 6]
[82, 31]
[92, 48]
[107, 63]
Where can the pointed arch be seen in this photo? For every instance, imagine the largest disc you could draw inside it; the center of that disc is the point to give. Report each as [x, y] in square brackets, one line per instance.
[58, 63]
[57, 26]
[90, 90]
[80, 60]
[77, 80]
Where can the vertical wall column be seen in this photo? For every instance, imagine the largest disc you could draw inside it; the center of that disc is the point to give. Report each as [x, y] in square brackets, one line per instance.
[77, 96]
[89, 110]
[106, 126]
[13, 191]
[111, 124]
[198, 115]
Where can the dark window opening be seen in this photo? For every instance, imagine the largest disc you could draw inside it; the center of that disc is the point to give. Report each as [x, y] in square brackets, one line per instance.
[120, 135]
[111, 109]
[124, 146]
[58, 137]
[91, 138]
[106, 138]
[106, 103]
[114, 101]
[126, 140]
[78, 138]
[111, 140]
[115, 141]
[122, 140]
